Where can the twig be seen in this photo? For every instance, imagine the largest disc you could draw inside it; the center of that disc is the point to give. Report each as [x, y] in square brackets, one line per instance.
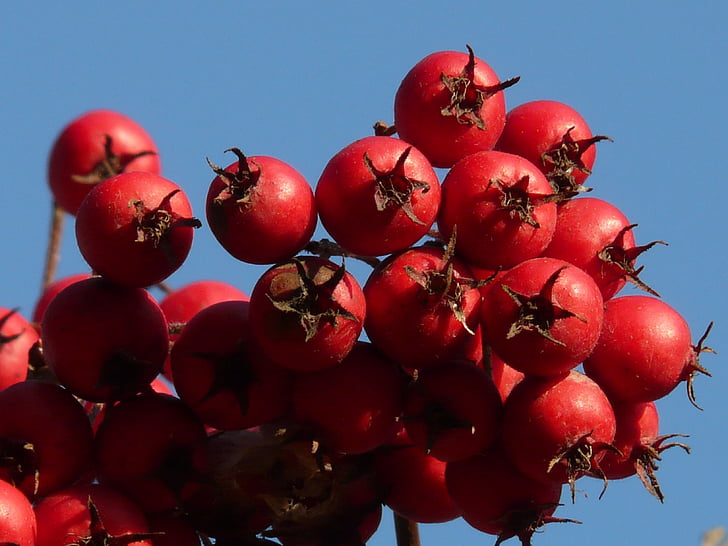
[406, 531]
[53, 252]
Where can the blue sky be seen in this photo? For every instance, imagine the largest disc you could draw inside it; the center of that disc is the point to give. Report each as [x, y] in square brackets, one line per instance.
[301, 80]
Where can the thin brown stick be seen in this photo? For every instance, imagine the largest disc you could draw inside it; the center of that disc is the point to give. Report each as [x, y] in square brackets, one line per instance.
[406, 531]
[53, 252]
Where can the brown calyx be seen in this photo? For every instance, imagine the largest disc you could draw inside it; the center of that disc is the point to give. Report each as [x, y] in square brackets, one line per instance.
[311, 297]
[580, 459]
[467, 98]
[525, 522]
[645, 462]
[393, 188]
[442, 287]
[239, 184]
[110, 165]
[623, 258]
[153, 224]
[538, 313]
[694, 367]
[519, 202]
[565, 159]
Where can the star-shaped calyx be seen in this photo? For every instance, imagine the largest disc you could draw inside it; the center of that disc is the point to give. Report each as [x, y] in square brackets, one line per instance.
[623, 258]
[444, 287]
[313, 302]
[538, 313]
[153, 224]
[519, 202]
[238, 184]
[393, 188]
[110, 165]
[564, 159]
[466, 97]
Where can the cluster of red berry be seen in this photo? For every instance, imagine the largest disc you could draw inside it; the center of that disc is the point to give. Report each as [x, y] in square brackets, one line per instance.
[486, 361]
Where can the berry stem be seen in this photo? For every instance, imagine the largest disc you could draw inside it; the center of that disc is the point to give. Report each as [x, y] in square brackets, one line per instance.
[406, 531]
[53, 252]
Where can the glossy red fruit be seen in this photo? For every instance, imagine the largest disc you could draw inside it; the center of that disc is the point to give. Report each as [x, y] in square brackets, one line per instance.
[498, 499]
[50, 291]
[144, 448]
[544, 317]
[84, 513]
[596, 236]
[557, 429]
[504, 377]
[221, 374]
[182, 303]
[17, 518]
[102, 341]
[644, 350]
[413, 483]
[260, 209]
[422, 307]
[640, 445]
[452, 411]
[17, 337]
[553, 136]
[93, 147]
[135, 228]
[307, 313]
[500, 205]
[37, 458]
[450, 105]
[377, 195]
[351, 407]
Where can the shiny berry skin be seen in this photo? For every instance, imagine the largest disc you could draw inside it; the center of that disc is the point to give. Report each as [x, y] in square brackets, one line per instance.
[499, 205]
[95, 146]
[449, 105]
[378, 195]
[260, 209]
[103, 341]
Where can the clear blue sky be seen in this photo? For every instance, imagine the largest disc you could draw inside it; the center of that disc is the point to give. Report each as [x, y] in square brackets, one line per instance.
[299, 80]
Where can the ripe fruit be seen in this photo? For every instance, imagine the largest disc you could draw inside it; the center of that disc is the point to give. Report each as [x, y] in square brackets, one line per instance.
[543, 316]
[135, 229]
[644, 350]
[452, 411]
[221, 374]
[103, 341]
[351, 407]
[38, 458]
[90, 514]
[413, 483]
[93, 147]
[260, 209]
[17, 337]
[496, 498]
[377, 195]
[422, 307]
[556, 138]
[596, 236]
[556, 429]
[145, 447]
[450, 105]
[17, 518]
[501, 207]
[639, 445]
[306, 314]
